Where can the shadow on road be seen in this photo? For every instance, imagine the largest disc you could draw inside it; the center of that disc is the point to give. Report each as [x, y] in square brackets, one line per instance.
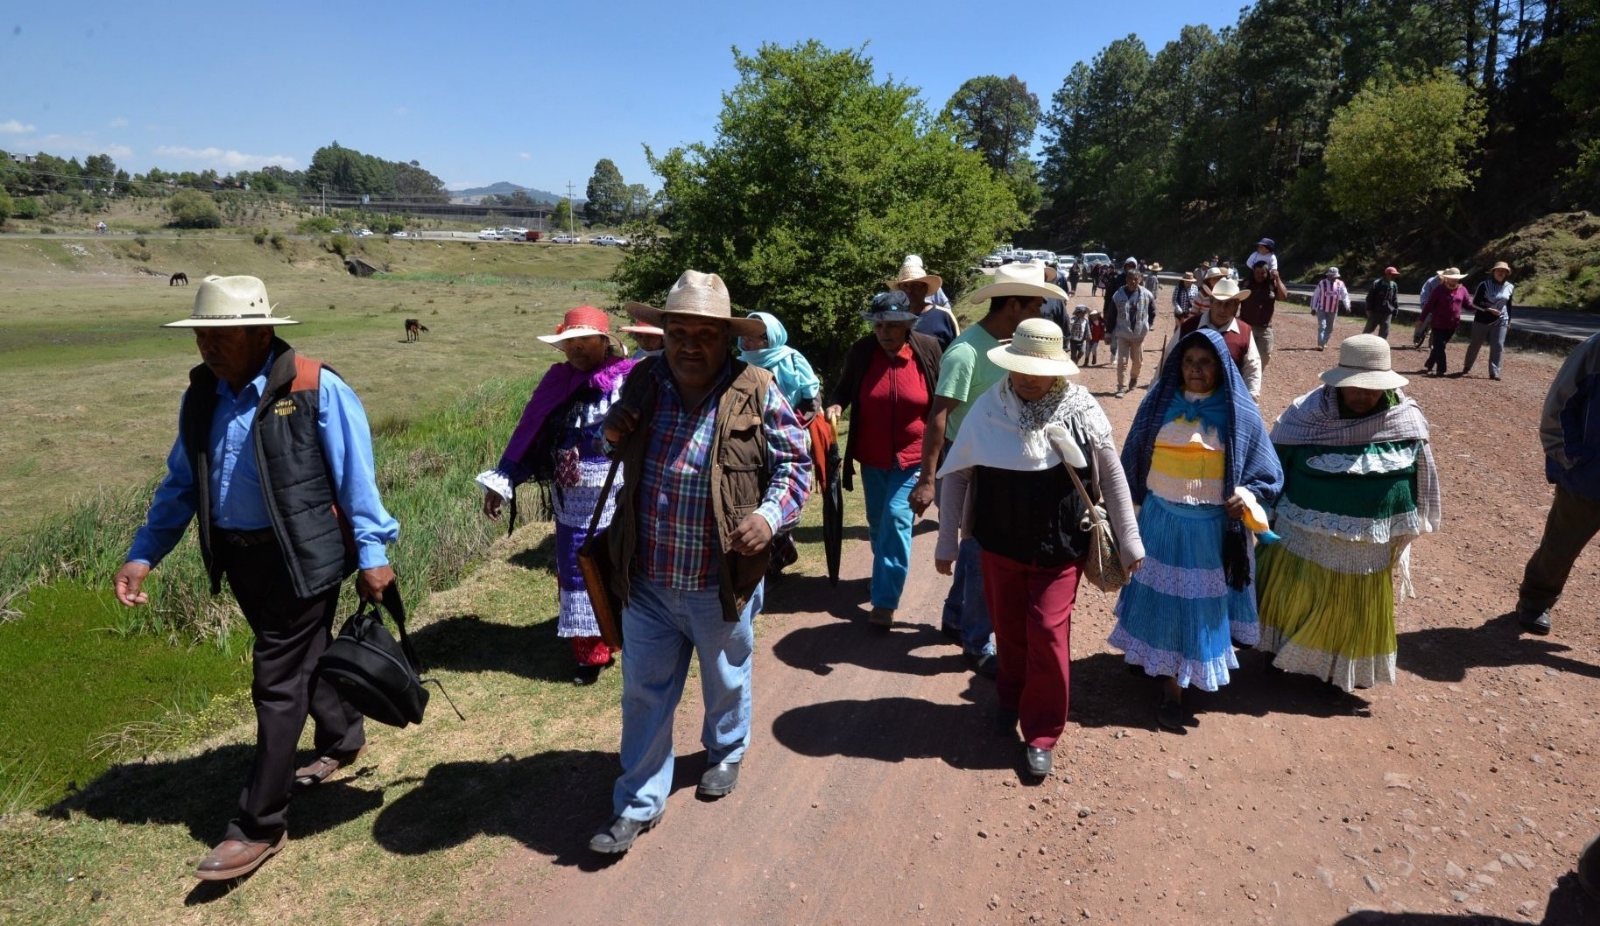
[1568, 906]
[1444, 654]
[897, 729]
[911, 649]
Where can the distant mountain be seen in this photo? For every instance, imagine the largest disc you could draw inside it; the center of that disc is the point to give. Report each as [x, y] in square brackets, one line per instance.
[505, 188]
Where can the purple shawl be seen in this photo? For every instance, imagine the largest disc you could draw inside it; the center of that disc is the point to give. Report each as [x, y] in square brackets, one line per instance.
[554, 392]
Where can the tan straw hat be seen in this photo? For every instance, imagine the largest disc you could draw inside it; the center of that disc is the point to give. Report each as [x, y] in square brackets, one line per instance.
[1188, 277]
[230, 302]
[1034, 350]
[644, 329]
[1228, 289]
[1500, 265]
[698, 295]
[1451, 273]
[1364, 364]
[1025, 280]
[912, 271]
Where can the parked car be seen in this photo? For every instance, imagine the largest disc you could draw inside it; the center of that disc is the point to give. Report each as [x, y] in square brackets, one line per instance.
[363, 233]
[399, 234]
[565, 238]
[1095, 258]
[488, 234]
[609, 240]
[514, 234]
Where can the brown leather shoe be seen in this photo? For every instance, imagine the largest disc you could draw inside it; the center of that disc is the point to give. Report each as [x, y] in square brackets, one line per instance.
[234, 858]
[324, 767]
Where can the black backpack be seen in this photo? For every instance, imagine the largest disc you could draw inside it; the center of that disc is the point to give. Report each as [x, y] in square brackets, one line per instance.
[376, 675]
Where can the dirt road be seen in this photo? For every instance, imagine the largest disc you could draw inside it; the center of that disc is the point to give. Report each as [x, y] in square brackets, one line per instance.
[875, 791]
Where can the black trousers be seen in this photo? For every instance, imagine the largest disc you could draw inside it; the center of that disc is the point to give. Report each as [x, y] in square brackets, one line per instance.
[291, 633]
[1436, 357]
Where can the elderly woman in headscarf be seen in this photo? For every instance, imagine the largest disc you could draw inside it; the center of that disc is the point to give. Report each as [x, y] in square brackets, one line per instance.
[1198, 463]
[798, 383]
[889, 377]
[1359, 486]
[557, 444]
[1031, 522]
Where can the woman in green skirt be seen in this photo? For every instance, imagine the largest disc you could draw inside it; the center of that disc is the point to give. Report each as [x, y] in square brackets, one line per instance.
[1359, 486]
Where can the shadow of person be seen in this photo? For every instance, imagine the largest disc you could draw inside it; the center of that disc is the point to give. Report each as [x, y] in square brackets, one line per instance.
[897, 729]
[201, 793]
[1444, 654]
[469, 643]
[812, 533]
[1568, 905]
[551, 802]
[800, 594]
[540, 557]
[908, 650]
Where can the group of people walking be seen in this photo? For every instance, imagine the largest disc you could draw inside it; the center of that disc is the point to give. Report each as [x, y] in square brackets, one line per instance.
[1217, 530]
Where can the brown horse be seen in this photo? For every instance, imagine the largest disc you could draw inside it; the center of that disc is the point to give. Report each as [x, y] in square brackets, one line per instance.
[414, 329]
[177, 278]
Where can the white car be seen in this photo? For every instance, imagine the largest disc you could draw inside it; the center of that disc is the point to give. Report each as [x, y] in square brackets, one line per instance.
[363, 233]
[488, 234]
[399, 234]
[565, 238]
[610, 240]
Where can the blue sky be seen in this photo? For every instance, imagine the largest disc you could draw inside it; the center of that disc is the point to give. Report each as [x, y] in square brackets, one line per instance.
[531, 92]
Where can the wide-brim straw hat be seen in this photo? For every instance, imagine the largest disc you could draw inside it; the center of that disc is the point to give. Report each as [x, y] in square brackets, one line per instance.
[1035, 349]
[912, 271]
[582, 322]
[230, 302]
[1500, 265]
[1227, 289]
[1155, 267]
[644, 329]
[1451, 273]
[1364, 364]
[1188, 277]
[1019, 280]
[698, 295]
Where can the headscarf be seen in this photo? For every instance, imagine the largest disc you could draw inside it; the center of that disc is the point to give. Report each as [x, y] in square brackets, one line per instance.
[1249, 460]
[789, 367]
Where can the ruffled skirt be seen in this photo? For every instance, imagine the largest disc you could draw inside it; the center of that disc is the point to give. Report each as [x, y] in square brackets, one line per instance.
[1177, 616]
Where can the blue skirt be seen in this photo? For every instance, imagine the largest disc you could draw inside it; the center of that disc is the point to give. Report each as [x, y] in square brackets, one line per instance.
[1177, 616]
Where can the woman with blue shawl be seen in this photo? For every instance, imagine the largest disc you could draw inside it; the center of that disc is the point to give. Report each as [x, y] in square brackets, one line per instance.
[1199, 462]
[792, 374]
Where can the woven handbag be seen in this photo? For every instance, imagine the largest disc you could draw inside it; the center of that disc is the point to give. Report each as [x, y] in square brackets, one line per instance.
[1102, 565]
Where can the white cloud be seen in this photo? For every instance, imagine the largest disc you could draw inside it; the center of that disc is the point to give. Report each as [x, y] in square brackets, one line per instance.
[225, 160]
[119, 122]
[119, 151]
[13, 127]
[525, 155]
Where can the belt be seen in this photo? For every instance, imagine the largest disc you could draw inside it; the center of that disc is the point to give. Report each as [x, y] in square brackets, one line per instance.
[243, 539]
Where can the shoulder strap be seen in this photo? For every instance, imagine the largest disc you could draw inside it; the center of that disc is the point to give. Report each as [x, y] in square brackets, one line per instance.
[397, 609]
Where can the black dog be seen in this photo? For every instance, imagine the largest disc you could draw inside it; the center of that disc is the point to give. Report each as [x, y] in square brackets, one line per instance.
[413, 329]
[179, 277]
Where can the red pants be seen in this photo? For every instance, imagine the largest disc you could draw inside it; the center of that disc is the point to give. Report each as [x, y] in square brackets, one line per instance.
[591, 651]
[1031, 610]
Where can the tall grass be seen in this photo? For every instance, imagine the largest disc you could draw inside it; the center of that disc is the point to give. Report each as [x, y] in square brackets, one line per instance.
[425, 473]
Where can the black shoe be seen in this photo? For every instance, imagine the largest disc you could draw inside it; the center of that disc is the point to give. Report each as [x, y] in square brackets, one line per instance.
[618, 837]
[1038, 762]
[1170, 714]
[719, 780]
[1534, 621]
[881, 617]
[985, 665]
[586, 675]
[1005, 721]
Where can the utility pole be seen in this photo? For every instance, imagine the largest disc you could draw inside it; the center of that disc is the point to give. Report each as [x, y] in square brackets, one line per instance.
[571, 208]
[324, 199]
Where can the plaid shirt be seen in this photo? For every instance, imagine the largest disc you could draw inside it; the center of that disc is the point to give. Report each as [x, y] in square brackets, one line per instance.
[677, 533]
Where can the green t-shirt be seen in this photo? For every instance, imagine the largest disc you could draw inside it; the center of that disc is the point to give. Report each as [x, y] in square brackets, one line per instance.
[966, 372]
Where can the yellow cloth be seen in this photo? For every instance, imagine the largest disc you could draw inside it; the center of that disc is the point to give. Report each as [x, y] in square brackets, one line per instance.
[1187, 466]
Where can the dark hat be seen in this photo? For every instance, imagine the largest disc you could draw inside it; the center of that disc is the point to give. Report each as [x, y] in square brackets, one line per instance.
[892, 306]
[1267, 243]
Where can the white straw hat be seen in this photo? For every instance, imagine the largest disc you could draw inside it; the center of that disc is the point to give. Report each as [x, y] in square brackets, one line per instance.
[912, 271]
[230, 302]
[698, 295]
[1228, 289]
[1035, 350]
[1364, 364]
[1019, 280]
[1451, 273]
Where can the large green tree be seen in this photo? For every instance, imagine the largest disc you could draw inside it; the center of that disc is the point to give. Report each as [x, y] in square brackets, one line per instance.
[995, 116]
[821, 178]
[193, 209]
[1397, 149]
[606, 193]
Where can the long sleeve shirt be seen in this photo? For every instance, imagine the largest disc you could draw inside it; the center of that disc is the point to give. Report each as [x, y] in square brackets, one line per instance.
[1442, 311]
[1134, 311]
[1497, 295]
[238, 503]
[1329, 296]
[678, 540]
[1384, 297]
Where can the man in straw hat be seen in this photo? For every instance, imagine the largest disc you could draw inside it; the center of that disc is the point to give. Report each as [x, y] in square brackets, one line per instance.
[1569, 429]
[713, 464]
[1441, 315]
[965, 372]
[275, 458]
[1491, 318]
[1221, 316]
[928, 302]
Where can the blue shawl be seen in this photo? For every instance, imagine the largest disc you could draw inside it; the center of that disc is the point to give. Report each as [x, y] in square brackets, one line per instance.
[1250, 460]
[789, 367]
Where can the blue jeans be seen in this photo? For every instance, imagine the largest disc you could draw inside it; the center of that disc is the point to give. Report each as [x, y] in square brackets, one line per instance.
[965, 607]
[1325, 322]
[661, 629]
[889, 518]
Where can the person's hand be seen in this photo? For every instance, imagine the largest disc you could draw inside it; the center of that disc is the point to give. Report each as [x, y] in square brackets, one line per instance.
[619, 423]
[1234, 507]
[832, 413]
[491, 505]
[946, 567]
[129, 583]
[752, 535]
[1135, 566]
[370, 583]
[921, 497]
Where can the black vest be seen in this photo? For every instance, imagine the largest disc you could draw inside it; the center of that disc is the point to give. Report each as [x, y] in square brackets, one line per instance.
[318, 548]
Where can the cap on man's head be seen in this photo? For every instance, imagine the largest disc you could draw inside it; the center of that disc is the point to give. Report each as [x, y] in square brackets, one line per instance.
[1131, 262]
[1390, 271]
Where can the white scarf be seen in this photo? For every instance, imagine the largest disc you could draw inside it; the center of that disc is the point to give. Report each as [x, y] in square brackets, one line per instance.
[992, 433]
